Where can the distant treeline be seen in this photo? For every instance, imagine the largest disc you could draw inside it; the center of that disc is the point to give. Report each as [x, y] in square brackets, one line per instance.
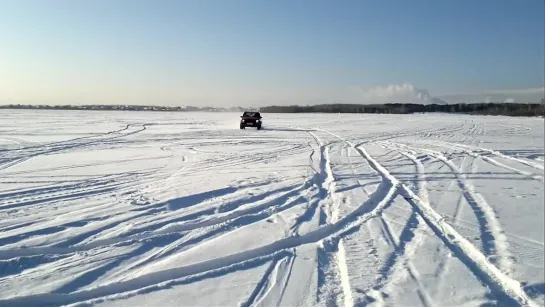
[493, 108]
[507, 109]
[121, 108]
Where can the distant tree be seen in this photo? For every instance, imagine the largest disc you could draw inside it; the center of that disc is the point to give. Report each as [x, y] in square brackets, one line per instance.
[507, 109]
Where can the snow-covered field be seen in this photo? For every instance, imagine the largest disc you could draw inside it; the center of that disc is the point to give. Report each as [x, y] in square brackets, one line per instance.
[185, 209]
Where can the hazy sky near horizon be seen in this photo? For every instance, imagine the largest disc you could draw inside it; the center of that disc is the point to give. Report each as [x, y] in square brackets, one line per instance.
[261, 52]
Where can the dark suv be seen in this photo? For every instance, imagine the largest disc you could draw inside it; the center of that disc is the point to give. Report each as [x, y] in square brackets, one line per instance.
[251, 119]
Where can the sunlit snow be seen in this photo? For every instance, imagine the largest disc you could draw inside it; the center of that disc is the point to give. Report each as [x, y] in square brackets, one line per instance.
[186, 209]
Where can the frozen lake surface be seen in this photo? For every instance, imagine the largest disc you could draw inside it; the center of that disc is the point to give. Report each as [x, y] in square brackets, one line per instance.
[169, 209]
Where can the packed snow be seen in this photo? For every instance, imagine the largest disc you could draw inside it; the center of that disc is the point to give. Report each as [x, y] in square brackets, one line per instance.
[186, 209]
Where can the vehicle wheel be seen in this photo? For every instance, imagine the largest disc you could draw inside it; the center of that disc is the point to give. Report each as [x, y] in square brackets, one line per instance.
[259, 127]
[242, 126]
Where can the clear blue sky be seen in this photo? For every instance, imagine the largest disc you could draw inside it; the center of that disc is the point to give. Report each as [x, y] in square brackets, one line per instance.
[255, 51]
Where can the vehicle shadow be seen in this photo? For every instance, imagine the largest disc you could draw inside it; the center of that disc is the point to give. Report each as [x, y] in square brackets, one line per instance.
[284, 129]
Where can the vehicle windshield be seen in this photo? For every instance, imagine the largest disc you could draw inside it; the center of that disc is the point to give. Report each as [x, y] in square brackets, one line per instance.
[251, 114]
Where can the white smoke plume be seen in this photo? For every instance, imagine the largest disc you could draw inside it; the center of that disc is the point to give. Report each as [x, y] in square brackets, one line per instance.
[396, 93]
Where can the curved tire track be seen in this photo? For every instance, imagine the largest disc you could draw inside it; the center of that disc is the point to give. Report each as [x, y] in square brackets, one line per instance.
[368, 209]
[399, 259]
[494, 241]
[502, 284]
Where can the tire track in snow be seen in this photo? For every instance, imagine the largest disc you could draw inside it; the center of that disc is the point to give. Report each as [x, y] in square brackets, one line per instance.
[274, 281]
[95, 273]
[364, 212]
[399, 260]
[189, 207]
[409, 246]
[455, 218]
[12, 162]
[18, 142]
[182, 243]
[238, 265]
[73, 192]
[332, 208]
[254, 263]
[501, 155]
[491, 161]
[35, 192]
[371, 295]
[405, 247]
[211, 164]
[45, 149]
[324, 181]
[340, 255]
[385, 236]
[269, 202]
[444, 261]
[382, 136]
[222, 227]
[329, 289]
[509, 288]
[325, 176]
[237, 159]
[73, 140]
[332, 215]
[54, 194]
[494, 242]
[143, 232]
[218, 226]
[402, 248]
